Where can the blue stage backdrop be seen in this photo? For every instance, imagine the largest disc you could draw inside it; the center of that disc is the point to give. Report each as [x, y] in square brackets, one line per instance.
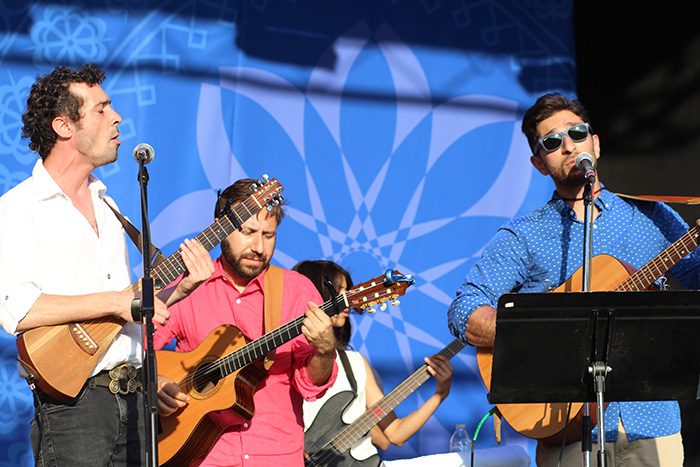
[393, 125]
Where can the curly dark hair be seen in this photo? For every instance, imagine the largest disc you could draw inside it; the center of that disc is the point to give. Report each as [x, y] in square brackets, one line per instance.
[50, 97]
[546, 106]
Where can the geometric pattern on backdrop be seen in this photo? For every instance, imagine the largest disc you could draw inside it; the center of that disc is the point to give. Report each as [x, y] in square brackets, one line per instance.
[394, 128]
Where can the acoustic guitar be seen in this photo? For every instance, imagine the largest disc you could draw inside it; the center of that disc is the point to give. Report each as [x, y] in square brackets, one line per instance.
[224, 370]
[61, 358]
[546, 422]
[329, 439]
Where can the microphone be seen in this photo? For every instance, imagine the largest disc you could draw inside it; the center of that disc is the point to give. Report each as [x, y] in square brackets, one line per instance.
[585, 163]
[144, 153]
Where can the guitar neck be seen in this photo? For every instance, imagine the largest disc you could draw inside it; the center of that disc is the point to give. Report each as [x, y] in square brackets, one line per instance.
[270, 341]
[362, 295]
[170, 268]
[657, 267]
[350, 435]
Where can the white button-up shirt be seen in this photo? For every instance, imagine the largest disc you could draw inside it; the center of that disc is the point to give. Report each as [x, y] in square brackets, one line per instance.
[48, 246]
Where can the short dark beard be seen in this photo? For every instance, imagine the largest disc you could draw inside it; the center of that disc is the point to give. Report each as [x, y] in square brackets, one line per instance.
[238, 268]
[575, 178]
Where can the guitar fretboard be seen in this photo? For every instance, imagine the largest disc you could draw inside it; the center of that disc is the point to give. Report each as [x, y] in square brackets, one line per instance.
[350, 435]
[657, 267]
[168, 270]
[363, 295]
[262, 345]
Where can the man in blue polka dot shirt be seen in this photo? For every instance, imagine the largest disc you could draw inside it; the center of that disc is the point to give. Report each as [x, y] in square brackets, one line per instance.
[539, 251]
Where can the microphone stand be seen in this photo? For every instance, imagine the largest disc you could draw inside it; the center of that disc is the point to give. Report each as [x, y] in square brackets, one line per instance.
[586, 441]
[598, 369]
[146, 311]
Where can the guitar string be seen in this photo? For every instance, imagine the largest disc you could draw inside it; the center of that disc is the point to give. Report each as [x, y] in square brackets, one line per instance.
[173, 266]
[640, 280]
[179, 268]
[96, 328]
[344, 440]
[240, 358]
[397, 395]
[256, 348]
[688, 241]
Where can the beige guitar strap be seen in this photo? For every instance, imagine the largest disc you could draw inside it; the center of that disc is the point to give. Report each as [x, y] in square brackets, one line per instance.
[274, 280]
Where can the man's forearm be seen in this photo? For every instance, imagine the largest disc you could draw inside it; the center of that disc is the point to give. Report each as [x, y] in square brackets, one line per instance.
[320, 366]
[50, 310]
[481, 328]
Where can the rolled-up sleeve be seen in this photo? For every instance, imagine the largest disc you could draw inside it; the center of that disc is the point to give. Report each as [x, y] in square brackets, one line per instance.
[19, 277]
[16, 303]
[301, 291]
[300, 379]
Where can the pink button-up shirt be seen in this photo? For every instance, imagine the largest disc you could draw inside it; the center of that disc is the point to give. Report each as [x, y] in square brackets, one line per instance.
[275, 434]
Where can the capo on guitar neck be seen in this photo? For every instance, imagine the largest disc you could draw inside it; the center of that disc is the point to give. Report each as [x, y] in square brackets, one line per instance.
[334, 294]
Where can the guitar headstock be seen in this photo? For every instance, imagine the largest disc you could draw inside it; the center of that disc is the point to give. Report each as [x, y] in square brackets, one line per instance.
[265, 195]
[379, 290]
[267, 192]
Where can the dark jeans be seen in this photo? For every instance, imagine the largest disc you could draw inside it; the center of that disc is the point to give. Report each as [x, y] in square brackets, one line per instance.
[95, 429]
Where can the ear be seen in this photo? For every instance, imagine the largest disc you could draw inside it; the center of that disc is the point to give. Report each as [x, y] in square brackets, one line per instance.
[62, 126]
[596, 146]
[539, 165]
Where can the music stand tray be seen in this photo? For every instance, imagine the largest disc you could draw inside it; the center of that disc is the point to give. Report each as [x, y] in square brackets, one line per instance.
[546, 342]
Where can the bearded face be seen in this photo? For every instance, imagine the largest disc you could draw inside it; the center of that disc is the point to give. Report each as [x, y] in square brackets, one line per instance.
[248, 251]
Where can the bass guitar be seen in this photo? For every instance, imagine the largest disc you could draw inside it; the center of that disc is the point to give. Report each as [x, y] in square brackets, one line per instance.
[328, 440]
[61, 358]
[224, 370]
[546, 421]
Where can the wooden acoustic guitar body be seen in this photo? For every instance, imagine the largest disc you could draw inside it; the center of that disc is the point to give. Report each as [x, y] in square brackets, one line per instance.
[188, 434]
[546, 422]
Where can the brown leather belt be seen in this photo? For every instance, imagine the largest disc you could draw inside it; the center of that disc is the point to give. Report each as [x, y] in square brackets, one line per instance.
[123, 379]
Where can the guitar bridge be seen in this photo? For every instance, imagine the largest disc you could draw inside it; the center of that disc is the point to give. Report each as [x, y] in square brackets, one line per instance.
[83, 339]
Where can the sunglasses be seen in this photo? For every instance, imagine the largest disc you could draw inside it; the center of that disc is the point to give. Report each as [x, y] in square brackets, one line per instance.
[576, 133]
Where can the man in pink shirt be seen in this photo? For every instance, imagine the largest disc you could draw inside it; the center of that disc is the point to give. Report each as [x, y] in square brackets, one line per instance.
[303, 368]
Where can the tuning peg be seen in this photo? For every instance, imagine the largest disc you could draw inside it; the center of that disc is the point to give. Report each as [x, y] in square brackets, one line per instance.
[265, 178]
[371, 310]
[396, 303]
[382, 307]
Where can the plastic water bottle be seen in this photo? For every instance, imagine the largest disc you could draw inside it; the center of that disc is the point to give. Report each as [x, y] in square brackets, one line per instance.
[460, 441]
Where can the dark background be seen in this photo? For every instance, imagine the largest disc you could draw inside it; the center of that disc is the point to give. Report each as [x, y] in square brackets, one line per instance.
[639, 77]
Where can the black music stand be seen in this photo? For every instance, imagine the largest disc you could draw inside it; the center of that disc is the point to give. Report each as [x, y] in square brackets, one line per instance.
[546, 343]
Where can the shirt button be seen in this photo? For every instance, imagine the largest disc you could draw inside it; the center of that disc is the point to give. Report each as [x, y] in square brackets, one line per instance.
[238, 301]
[109, 276]
[246, 456]
[245, 425]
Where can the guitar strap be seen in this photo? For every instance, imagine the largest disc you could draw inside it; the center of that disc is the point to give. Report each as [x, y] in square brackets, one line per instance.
[690, 200]
[348, 370]
[136, 236]
[274, 280]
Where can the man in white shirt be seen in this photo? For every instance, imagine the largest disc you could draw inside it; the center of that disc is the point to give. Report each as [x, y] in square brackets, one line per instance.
[64, 258]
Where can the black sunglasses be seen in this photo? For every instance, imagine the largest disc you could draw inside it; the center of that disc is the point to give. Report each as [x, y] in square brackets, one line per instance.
[576, 133]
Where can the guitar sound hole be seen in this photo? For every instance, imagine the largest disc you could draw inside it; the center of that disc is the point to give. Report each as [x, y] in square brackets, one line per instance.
[205, 379]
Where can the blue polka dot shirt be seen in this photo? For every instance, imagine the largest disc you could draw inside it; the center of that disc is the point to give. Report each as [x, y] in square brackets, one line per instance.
[539, 251]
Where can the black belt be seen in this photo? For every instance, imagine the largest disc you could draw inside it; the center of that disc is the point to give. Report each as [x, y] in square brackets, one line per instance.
[123, 379]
